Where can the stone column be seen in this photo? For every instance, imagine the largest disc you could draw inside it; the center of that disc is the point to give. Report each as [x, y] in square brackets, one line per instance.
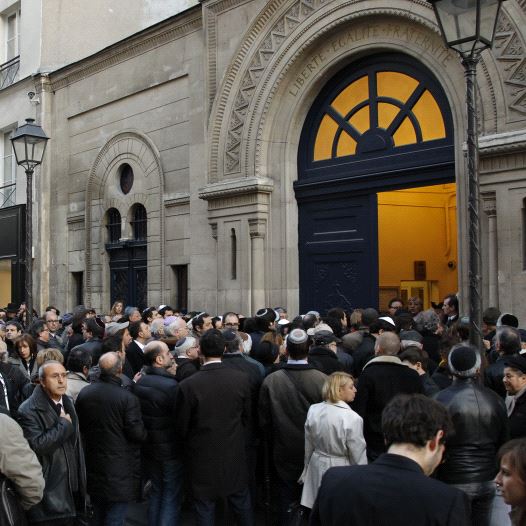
[257, 229]
[490, 208]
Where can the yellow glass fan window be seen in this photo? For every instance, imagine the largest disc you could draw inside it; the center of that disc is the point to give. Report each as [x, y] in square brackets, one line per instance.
[378, 111]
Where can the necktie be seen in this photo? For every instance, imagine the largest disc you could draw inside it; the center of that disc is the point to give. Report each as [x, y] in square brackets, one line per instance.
[59, 409]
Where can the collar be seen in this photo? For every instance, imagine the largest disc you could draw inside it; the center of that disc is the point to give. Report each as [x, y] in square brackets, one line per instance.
[384, 359]
[339, 403]
[398, 461]
[520, 393]
[141, 345]
[290, 361]
[82, 376]
[210, 362]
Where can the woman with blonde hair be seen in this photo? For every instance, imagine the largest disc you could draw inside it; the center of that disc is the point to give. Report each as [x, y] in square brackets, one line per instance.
[333, 435]
[117, 310]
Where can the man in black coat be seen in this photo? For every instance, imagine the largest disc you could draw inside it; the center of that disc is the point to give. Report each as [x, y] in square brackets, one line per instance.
[382, 378]
[212, 415]
[514, 380]
[141, 334]
[396, 490]
[112, 428]
[50, 426]
[92, 332]
[156, 390]
[508, 343]
[12, 380]
[481, 427]
[323, 354]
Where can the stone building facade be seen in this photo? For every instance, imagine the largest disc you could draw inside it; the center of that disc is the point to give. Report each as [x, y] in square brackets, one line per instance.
[188, 160]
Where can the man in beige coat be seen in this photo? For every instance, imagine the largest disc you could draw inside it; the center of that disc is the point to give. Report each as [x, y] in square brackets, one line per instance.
[19, 463]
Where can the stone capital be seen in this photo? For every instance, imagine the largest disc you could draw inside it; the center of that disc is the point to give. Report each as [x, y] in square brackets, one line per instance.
[489, 204]
[257, 227]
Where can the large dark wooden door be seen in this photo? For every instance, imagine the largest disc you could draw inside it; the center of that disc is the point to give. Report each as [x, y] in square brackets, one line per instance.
[128, 274]
[338, 253]
[382, 123]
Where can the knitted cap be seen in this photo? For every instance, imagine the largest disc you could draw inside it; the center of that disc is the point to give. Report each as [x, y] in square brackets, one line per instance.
[464, 361]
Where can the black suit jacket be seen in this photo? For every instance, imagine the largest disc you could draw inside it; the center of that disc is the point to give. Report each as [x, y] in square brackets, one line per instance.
[392, 491]
[212, 415]
[135, 356]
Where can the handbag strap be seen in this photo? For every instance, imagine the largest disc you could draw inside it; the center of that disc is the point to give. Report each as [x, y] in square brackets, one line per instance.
[298, 387]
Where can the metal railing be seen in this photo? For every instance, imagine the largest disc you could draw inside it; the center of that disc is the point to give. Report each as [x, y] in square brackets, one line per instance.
[9, 72]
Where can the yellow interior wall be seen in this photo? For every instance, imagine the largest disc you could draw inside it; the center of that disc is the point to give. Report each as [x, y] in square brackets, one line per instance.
[5, 282]
[418, 224]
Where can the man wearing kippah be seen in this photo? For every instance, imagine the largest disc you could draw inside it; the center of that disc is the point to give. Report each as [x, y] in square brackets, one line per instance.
[481, 427]
[284, 401]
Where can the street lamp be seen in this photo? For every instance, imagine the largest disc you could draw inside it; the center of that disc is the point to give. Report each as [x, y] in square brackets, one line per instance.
[29, 143]
[468, 27]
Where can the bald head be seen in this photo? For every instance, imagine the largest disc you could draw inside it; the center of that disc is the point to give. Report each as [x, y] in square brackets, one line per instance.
[387, 344]
[110, 364]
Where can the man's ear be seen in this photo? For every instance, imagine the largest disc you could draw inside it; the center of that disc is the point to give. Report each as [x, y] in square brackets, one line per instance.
[434, 443]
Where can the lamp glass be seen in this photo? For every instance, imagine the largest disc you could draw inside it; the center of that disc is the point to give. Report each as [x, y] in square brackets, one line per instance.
[29, 144]
[468, 25]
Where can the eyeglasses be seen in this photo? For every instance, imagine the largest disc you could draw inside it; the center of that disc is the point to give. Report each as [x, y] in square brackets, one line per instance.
[52, 321]
[231, 324]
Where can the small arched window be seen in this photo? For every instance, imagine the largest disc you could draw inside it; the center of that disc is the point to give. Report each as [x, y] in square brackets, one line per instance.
[113, 225]
[139, 223]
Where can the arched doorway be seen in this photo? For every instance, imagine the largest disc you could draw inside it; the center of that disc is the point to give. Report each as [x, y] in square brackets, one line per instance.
[381, 124]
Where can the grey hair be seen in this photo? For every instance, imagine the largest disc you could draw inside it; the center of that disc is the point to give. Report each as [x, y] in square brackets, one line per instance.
[171, 329]
[156, 324]
[42, 368]
[427, 320]
[234, 345]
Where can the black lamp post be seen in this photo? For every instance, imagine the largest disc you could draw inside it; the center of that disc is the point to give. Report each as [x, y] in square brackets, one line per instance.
[29, 143]
[468, 27]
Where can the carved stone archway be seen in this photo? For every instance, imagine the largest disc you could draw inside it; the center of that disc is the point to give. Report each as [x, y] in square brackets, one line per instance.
[103, 192]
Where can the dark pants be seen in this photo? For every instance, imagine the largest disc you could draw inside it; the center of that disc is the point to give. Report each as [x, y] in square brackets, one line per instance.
[289, 493]
[238, 502]
[480, 495]
[106, 513]
[167, 493]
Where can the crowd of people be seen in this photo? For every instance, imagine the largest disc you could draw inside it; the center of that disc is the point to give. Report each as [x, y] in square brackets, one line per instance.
[343, 418]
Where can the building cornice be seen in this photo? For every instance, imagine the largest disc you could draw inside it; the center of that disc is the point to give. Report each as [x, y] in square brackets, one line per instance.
[142, 42]
[235, 187]
[179, 199]
[499, 143]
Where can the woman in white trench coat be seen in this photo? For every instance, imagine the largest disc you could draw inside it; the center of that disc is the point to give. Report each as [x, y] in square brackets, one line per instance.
[333, 435]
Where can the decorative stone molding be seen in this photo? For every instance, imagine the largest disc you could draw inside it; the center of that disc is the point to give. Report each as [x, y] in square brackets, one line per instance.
[180, 199]
[498, 143]
[211, 10]
[76, 219]
[509, 52]
[236, 187]
[213, 226]
[251, 81]
[142, 42]
[125, 145]
[257, 227]
[489, 203]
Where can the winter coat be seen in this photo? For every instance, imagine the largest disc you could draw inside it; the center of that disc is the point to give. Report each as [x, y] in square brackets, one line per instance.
[59, 450]
[283, 411]
[112, 429]
[213, 412]
[325, 360]
[156, 390]
[19, 463]
[481, 426]
[333, 437]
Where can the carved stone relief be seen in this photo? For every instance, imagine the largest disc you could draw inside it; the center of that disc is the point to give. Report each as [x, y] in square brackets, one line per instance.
[509, 51]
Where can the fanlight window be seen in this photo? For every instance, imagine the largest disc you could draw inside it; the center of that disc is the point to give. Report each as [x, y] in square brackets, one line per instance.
[378, 111]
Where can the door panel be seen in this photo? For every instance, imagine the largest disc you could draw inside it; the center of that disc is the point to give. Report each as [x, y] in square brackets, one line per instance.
[338, 253]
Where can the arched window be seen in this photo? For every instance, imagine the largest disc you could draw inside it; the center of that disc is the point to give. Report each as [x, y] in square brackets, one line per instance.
[139, 223]
[113, 225]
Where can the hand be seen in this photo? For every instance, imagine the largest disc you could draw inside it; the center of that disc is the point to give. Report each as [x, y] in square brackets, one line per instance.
[137, 377]
[63, 414]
